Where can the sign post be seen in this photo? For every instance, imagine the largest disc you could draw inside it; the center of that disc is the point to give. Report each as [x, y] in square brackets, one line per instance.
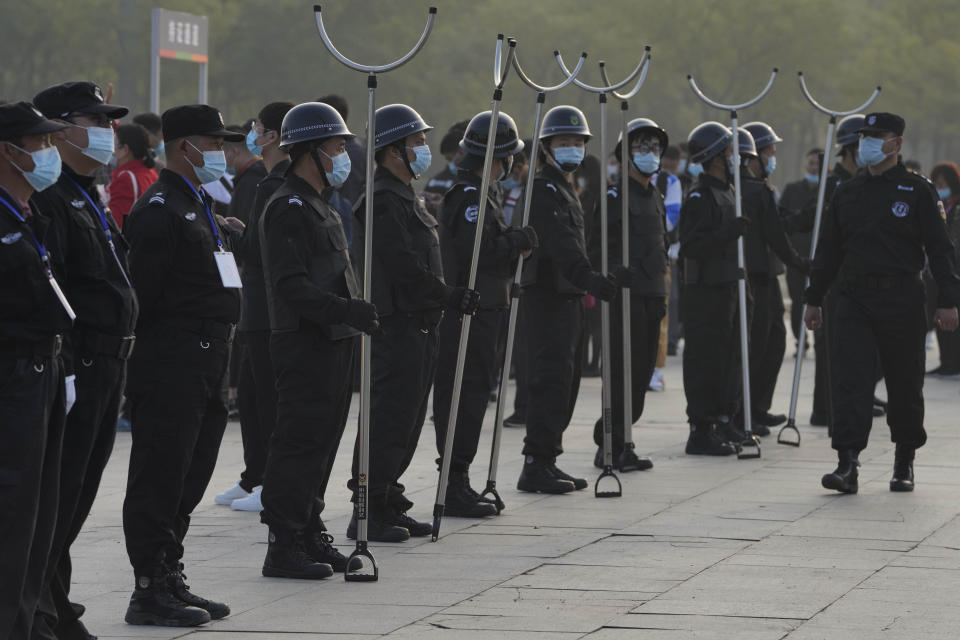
[177, 36]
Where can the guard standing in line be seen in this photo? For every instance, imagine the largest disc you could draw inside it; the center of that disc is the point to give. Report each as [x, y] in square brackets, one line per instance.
[256, 383]
[441, 182]
[648, 291]
[32, 401]
[90, 256]
[766, 249]
[500, 248]
[188, 287]
[881, 224]
[410, 294]
[315, 315]
[709, 230]
[554, 280]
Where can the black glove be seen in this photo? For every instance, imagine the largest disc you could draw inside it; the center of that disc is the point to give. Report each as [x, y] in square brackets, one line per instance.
[623, 276]
[522, 239]
[362, 315]
[464, 300]
[600, 286]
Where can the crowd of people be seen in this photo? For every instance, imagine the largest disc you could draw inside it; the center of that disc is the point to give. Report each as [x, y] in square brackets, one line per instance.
[157, 272]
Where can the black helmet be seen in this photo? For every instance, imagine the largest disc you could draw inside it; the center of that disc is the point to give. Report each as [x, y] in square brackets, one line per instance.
[644, 125]
[506, 143]
[708, 140]
[763, 134]
[311, 121]
[565, 120]
[395, 122]
[848, 129]
[746, 143]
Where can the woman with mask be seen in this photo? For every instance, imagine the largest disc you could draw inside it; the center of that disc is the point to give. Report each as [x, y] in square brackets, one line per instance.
[134, 173]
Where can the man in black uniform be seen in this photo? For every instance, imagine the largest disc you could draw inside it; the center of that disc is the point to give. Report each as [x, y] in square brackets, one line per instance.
[188, 289]
[315, 315]
[32, 396]
[90, 255]
[766, 249]
[554, 280]
[248, 170]
[709, 230]
[440, 183]
[256, 384]
[648, 291]
[881, 224]
[798, 197]
[500, 248]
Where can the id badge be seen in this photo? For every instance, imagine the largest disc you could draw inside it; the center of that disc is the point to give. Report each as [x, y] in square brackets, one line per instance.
[63, 299]
[229, 274]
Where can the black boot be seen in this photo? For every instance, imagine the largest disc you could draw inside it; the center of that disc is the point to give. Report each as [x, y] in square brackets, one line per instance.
[287, 558]
[416, 528]
[630, 461]
[154, 603]
[379, 529]
[578, 483]
[844, 479]
[767, 419]
[181, 590]
[902, 469]
[536, 477]
[319, 546]
[462, 501]
[727, 430]
[704, 441]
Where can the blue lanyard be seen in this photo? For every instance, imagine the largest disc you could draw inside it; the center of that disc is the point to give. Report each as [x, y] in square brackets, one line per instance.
[86, 196]
[40, 248]
[213, 224]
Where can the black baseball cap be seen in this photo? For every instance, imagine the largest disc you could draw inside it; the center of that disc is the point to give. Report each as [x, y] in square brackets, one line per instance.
[196, 120]
[59, 101]
[882, 122]
[23, 119]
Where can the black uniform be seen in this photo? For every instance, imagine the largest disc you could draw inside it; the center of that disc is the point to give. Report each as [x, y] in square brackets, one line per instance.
[187, 319]
[309, 283]
[32, 322]
[711, 359]
[409, 292]
[648, 295]
[949, 341]
[873, 245]
[89, 256]
[798, 197]
[499, 251]
[436, 187]
[256, 384]
[245, 185]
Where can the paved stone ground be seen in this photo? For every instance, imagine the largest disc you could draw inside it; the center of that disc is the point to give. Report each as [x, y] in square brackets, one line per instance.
[695, 548]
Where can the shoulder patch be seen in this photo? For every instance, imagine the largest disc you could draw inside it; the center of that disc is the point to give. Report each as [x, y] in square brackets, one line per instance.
[295, 199]
[158, 198]
[694, 194]
[612, 191]
[900, 209]
[466, 189]
[190, 216]
[472, 213]
[550, 186]
[78, 203]
[10, 238]
[903, 187]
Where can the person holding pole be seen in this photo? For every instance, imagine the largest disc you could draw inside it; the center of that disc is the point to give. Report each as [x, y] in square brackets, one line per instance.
[554, 281]
[882, 225]
[500, 247]
[315, 315]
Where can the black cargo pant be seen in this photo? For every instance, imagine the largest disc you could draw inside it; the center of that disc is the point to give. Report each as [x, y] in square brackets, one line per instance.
[481, 366]
[257, 396]
[177, 415]
[87, 445]
[646, 316]
[521, 368]
[711, 358]
[314, 388]
[31, 436]
[890, 322]
[768, 341]
[824, 336]
[553, 325]
[403, 365]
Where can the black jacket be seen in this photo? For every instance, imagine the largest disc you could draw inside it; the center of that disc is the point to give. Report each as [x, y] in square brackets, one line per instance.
[708, 233]
[245, 191]
[766, 231]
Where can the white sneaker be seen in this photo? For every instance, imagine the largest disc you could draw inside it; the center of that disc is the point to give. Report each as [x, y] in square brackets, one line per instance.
[656, 380]
[249, 503]
[233, 493]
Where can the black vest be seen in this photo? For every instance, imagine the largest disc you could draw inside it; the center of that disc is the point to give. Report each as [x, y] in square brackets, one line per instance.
[648, 248]
[553, 197]
[722, 269]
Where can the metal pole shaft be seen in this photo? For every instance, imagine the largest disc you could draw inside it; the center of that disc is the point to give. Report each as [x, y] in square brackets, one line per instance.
[202, 96]
[154, 62]
[626, 298]
[605, 369]
[742, 285]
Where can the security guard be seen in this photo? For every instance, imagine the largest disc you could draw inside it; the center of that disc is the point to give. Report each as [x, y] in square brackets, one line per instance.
[188, 288]
[709, 230]
[766, 249]
[90, 255]
[500, 248]
[648, 291]
[441, 182]
[410, 294]
[33, 321]
[554, 280]
[315, 315]
[882, 223]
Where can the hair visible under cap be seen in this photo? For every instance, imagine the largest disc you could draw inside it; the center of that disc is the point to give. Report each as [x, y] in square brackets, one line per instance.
[271, 116]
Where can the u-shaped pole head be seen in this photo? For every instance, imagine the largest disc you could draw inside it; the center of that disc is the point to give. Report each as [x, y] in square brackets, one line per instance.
[603, 89]
[831, 112]
[500, 72]
[356, 66]
[542, 89]
[732, 107]
[643, 76]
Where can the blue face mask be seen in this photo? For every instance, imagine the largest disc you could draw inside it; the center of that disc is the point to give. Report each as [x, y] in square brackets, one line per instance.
[46, 167]
[252, 145]
[569, 158]
[860, 162]
[421, 163]
[812, 178]
[771, 165]
[341, 168]
[681, 165]
[871, 150]
[944, 193]
[214, 165]
[452, 166]
[647, 163]
[509, 184]
[100, 144]
[695, 169]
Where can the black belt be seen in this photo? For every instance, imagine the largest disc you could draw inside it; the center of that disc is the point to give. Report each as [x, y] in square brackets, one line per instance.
[47, 348]
[206, 328]
[881, 282]
[89, 342]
